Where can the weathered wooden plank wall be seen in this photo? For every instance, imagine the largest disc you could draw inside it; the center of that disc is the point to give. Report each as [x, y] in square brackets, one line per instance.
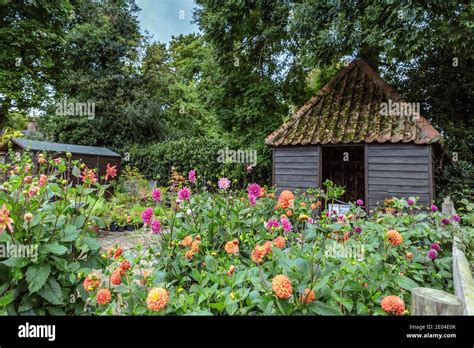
[398, 170]
[296, 167]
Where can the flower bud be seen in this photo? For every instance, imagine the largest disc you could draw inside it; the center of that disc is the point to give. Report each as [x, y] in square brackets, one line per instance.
[28, 217]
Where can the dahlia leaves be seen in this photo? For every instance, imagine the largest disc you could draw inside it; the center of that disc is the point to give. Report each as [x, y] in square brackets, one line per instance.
[36, 276]
[51, 291]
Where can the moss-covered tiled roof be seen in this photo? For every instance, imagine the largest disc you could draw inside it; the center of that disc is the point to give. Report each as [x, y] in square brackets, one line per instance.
[348, 110]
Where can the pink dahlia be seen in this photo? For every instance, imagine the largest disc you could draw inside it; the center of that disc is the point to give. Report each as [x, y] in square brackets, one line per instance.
[456, 218]
[147, 215]
[410, 201]
[360, 202]
[254, 190]
[192, 176]
[286, 224]
[432, 254]
[435, 246]
[155, 226]
[156, 194]
[184, 194]
[223, 183]
[434, 207]
[272, 224]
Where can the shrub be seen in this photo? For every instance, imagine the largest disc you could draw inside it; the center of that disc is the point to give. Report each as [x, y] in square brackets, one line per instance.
[45, 239]
[155, 161]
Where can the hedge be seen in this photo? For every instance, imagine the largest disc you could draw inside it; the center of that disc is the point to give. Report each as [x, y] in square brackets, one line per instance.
[155, 161]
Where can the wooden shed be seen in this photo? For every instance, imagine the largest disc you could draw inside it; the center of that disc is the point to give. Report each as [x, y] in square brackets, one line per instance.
[360, 133]
[92, 156]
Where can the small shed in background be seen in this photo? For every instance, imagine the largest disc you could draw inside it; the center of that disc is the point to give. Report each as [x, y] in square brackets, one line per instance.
[342, 135]
[92, 156]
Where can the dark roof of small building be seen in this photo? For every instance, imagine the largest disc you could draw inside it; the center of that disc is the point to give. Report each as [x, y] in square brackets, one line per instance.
[36, 145]
[347, 110]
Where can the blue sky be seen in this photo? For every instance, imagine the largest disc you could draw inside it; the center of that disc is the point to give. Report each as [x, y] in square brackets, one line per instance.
[165, 18]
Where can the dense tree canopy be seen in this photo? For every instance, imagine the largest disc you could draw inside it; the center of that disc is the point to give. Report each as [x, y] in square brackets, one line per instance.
[253, 63]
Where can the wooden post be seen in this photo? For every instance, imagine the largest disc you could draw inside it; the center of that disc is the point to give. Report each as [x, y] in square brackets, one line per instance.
[426, 301]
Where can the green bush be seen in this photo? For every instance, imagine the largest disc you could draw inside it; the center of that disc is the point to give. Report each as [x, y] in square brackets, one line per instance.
[46, 215]
[155, 161]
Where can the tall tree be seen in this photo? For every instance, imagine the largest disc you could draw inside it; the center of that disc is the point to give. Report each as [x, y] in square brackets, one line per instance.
[31, 34]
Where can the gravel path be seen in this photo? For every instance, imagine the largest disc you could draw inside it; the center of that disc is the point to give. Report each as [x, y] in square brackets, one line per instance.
[126, 239]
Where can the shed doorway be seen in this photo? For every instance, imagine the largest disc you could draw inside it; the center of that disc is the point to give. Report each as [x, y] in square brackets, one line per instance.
[345, 166]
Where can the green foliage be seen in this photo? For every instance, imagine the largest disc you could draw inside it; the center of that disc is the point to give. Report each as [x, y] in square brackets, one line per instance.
[200, 154]
[47, 243]
[349, 273]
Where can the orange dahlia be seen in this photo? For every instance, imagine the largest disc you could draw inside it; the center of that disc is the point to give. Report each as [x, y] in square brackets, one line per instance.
[232, 247]
[286, 199]
[103, 296]
[279, 242]
[393, 305]
[394, 238]
[157, 299]
[125, 265]
[258, 253]
[116, 277]
[195, 246]
[281, 286]
[289, 213]
[91, 282]
[118, 252]
[308, 296]
[189, 254]
[268, 246]
[187, 241]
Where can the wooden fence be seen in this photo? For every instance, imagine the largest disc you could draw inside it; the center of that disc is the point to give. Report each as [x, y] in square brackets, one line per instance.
[426, 301]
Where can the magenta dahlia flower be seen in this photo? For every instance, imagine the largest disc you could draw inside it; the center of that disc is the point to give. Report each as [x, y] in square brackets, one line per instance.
[147, 215]
[254, 190]
[434, 208]
[456, 218]
[192, 176]
[286, 224]
[156, 194]
[184, 194]
[155, 226]
[253, 200]
[432, 254]
[272, 224]
[360, 202]
[435, 246]
[445, 221]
